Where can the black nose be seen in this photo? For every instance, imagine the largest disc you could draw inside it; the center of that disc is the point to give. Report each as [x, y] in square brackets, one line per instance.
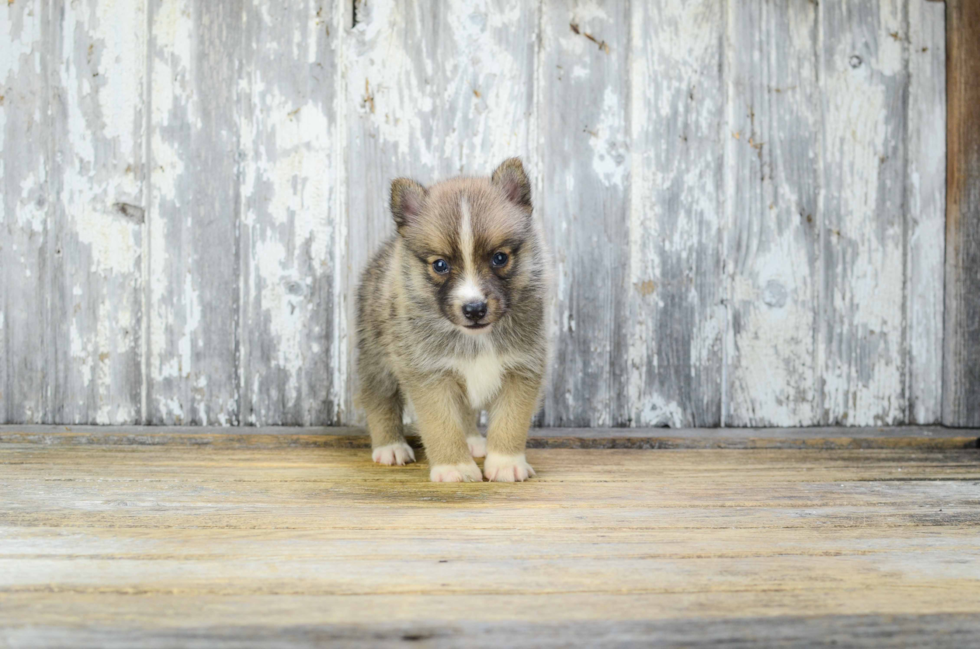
[475, 310]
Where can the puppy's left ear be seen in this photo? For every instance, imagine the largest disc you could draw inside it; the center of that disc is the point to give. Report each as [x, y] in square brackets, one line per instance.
[510, 177]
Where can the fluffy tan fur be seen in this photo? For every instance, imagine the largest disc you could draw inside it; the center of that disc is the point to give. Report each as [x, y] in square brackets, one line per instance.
[464, 241]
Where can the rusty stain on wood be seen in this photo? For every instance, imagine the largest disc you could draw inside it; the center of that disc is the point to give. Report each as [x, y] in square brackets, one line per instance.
[646, 287]
[368, 96]
[602, 44]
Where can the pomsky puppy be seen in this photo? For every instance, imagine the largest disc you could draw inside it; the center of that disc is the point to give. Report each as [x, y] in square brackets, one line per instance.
[451, 316]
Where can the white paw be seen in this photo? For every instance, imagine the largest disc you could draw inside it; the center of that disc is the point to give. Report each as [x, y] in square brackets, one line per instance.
[399, 453]
[478, 446]
[456, 473]
[507, 468]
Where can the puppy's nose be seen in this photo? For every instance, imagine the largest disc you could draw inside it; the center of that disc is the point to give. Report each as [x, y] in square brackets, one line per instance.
[475, 310]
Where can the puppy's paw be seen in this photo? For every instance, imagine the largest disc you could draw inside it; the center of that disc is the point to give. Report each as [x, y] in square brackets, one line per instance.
[507, 468]
[399, 453]
[456, 473]
[478, 445]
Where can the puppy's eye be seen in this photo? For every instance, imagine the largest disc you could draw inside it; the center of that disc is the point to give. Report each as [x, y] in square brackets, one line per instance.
[499, 259]
[441, 266]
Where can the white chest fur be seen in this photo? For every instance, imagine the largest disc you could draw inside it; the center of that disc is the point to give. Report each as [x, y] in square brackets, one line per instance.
[482, 376]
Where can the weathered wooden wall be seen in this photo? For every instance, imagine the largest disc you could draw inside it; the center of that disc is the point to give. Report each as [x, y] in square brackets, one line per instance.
[745, 200]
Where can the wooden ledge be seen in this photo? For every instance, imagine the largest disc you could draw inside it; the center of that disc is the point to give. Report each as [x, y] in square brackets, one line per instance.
[831, 438]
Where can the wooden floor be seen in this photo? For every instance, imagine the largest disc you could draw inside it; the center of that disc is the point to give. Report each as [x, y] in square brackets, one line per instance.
[238, 542]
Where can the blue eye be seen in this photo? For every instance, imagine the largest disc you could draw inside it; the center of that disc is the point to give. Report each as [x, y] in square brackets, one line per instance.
[499, 259]
[441, 266]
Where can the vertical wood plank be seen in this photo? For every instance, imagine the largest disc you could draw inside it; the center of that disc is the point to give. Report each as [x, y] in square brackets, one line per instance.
[675, 274]
[290, 194]
[862, 340]
[486, 51]
[583, 141]
[926, 209]
[95, 297]
[961, 365]
[193, 270]
[772, 240]
[434, 89]
[25, 165]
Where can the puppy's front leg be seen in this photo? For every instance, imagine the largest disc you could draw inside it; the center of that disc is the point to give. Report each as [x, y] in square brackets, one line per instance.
[510, 418]
[444, 420]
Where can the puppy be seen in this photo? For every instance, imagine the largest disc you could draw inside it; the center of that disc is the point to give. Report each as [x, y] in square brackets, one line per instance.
[451, 316]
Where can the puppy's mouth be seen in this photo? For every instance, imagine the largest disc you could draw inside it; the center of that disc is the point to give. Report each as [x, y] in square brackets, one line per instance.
[477, 326]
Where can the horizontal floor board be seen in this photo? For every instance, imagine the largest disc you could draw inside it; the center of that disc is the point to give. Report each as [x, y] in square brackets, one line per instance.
[872, 631]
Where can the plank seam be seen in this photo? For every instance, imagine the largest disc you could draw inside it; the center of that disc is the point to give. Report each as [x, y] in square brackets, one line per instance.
[906, 369]
[147, 202]
[341, 273]
[243, 403]
[49, 33]
[727, 209]
[821, 262]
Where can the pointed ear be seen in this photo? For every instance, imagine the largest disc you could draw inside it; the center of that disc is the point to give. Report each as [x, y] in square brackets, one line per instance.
[407, 199]
[511, 178]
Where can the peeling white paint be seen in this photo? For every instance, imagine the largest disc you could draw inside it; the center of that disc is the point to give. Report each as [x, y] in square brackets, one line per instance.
[174, 307]
[771, 138]
[174, 36]
[314, 167]
[611, 156]
[656, 412]
[290, 216]
[386, 88]
[863, 376]
[674, 212]
[31, 214]
[192, 320]
[113, 240]
[926, 210]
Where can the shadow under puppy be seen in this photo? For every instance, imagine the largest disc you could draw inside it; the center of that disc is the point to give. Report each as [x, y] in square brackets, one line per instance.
[451, 315]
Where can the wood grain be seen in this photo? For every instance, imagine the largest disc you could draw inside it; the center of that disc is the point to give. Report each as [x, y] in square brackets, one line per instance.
[25, 247]
[961, 357]
[583, 152]
[237, 542]
[193, 220]
[291, 237]
[97, 213]
[863, 217]
[773, 254]
[872, 631]
[926, 210]
[677, 318]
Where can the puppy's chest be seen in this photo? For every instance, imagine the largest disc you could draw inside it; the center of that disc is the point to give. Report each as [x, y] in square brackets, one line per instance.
[482, 375]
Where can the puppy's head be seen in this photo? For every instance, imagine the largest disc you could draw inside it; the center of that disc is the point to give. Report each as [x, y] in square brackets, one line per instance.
[469, 241]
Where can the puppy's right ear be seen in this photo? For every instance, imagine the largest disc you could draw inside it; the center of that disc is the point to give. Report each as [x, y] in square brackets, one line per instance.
[407, 199]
